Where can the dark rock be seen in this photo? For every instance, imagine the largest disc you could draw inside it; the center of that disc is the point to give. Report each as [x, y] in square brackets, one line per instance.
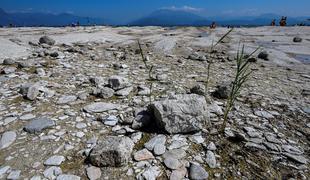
[39, 124]
[297, 39]
[222, 91]
[47, 40]
[263, 55]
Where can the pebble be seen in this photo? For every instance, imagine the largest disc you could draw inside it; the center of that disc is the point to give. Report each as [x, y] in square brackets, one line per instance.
[15, 174]
[143, 155]
[93, 173]
[210, 159]
[7, 139]
[54, 161]
[68, 177]
[196, 172]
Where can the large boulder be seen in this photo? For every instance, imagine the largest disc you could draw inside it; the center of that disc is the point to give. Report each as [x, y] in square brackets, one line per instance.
[112, 151]
[180, 114]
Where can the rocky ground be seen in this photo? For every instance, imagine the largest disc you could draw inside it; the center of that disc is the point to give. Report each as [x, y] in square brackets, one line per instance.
[75, 104]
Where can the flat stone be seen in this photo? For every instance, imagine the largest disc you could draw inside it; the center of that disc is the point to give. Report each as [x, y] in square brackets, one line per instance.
[52, 172]
[124, 92]
[111, 121]
[27, 117]
[151, 173]
[100, 107]
[39, 124]
[4, 170]
[68, 177]
[66, 99]
[35, 178]
[196, 172]
[264, 114]
[297, 158]
[54, 161]
[255, 146]
[81, 125]
[178, 174]
[210, 159]
[211, 146]
[172, 163]
[175, 153]
[93, 173]
[7, 138]
[143, 155]
[15, 174]
[157, 144]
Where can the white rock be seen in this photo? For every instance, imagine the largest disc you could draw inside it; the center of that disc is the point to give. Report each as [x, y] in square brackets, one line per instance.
[93, 173]
[7, 139]
[54, 161]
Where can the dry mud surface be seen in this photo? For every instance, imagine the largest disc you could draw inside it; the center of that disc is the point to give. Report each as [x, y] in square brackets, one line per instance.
[48, 130]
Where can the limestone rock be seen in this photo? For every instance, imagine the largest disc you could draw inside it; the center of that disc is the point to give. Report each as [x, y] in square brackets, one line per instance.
[182, 114]
[112, 151]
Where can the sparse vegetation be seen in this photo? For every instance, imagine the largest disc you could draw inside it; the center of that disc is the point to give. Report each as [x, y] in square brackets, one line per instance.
[211, 59]
[149, 69]
[242, 75]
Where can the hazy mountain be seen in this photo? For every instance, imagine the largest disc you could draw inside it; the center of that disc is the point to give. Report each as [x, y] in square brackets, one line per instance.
[46, 19]
[170, 18]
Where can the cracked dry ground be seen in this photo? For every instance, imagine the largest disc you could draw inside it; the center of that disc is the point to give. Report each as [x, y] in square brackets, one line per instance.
[267, 136]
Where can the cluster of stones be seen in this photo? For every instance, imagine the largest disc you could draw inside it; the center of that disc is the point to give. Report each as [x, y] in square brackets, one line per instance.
[177, 122]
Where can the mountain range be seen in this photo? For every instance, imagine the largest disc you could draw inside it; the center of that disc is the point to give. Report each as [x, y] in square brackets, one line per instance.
[162, 17]
[46, 19]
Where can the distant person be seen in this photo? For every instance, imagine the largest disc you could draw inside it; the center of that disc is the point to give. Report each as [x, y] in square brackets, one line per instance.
[273, 23]
[283, 21]
[213, 25]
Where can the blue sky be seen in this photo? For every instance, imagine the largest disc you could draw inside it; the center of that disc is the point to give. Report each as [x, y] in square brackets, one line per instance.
[131, 9]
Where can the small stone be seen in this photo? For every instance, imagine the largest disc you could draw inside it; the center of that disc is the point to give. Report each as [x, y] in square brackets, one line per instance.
[81, 125]
[198, 89]
[210, 159]
[4, 170]
[297, 39]
[172, 163]
[297, 158]
[8, 61]
[222, 91]
[7, 139]
[118, 82]
[124, 92]
[54, 161]
[39, 124]
[47, 40]
[151, 173]
[93, 173]
[142, 155]
[157, 144]
[68, 177]
[35, 178]
[66, 99]
[27, 117]
[211, 146]
[178, 174]
[52, 172]
[264, 114]
[103, 92]
[33, 92]
[99, 107]
[14, 175]
[196, 172]
[111, 121]
[263, 55]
